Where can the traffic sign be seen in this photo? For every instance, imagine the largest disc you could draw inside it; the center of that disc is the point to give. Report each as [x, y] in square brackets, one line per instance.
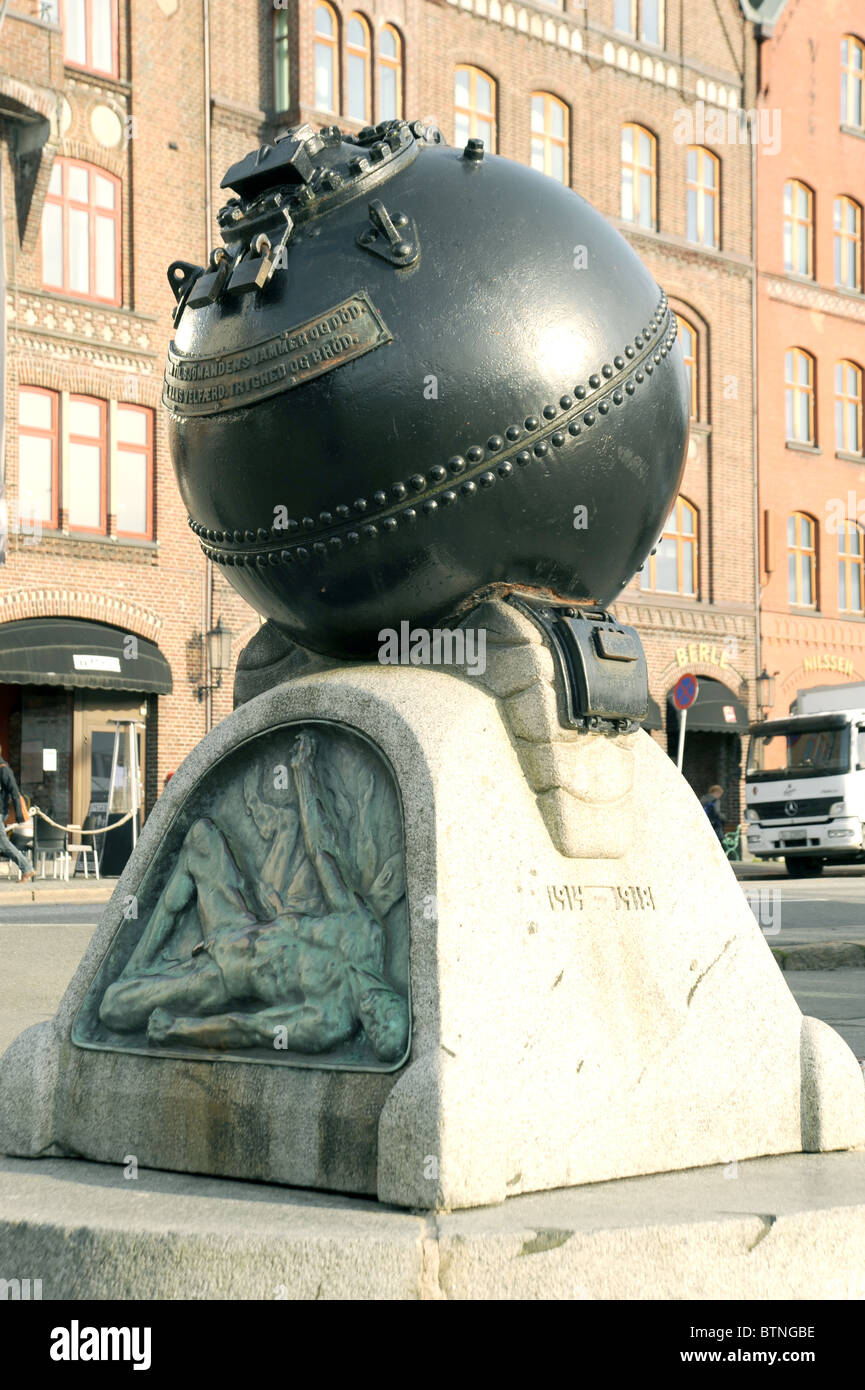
[686, 691]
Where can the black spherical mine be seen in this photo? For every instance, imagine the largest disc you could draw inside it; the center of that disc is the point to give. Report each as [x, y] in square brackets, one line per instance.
[380, 321]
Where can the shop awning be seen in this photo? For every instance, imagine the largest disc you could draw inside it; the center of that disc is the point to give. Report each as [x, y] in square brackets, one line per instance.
[73, 652]
[716, 710]
[653, 719]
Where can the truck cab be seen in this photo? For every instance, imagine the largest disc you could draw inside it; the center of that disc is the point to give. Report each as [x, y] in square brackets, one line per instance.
[805, 789]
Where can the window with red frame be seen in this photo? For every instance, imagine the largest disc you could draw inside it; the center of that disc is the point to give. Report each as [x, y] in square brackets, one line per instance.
[81, 232]
[38, 455]
[90, 35]
[133, 502]
[86, 503]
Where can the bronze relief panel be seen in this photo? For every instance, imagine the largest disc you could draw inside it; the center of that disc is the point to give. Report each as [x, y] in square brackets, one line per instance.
[271, 924]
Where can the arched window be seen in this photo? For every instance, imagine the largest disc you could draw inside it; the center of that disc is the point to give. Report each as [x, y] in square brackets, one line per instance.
[673, 567]
[81, 232]
[798, 228]
[358, 60]
[801, 560]
[851, 555]
[474, 107]
[281, 70]
[848, 244]
[799, 395]
[89, 34]
[325, 51]
[688, 340]
[550, 136]
[389, 74]
[639, 163]
[701, 197]
[848, 408]
[852, 72]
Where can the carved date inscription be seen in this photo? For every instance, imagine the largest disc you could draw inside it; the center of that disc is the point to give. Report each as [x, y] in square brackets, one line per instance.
[573, 897]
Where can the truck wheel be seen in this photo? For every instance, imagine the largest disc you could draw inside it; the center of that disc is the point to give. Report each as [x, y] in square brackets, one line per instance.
[804, 866]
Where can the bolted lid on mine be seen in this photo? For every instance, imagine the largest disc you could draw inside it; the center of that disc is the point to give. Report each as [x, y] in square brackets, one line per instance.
[309, 171]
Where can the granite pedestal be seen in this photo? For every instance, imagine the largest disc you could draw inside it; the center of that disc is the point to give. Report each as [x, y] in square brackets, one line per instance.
[591, 997]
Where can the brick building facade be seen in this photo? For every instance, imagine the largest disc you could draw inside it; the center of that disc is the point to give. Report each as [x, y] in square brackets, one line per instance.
[104, 181]
[634, 103]
[811, 349]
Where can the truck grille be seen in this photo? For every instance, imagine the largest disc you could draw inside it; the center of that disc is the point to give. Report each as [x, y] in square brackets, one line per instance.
[777, 810]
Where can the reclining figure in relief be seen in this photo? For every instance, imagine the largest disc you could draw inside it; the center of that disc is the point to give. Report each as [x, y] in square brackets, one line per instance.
[295, 981]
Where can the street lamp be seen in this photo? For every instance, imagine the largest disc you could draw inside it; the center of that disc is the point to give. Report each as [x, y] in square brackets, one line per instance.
[218, 645]
[765, 691]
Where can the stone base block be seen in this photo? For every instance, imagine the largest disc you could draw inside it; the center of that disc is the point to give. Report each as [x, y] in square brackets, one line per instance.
[771, 1228]
[585, 1006]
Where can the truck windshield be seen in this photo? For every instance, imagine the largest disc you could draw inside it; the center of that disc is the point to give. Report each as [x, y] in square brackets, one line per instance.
[818, 752]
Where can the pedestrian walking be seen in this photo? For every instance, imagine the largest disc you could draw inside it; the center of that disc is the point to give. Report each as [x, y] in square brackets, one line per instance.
[711, 805]
[9, 793]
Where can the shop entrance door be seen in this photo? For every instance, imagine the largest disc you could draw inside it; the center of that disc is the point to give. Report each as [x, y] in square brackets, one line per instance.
[94, 747]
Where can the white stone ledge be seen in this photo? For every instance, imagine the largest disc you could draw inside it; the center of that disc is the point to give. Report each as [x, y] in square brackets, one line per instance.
[547, 28]
[772, 1228]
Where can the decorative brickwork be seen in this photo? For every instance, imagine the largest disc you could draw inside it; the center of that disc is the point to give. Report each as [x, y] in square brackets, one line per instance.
[68, 603]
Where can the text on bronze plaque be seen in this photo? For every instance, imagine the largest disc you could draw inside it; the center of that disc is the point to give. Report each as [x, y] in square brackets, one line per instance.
[206, 385]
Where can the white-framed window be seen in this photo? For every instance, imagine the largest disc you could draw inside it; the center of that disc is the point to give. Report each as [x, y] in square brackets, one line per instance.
[81, 232]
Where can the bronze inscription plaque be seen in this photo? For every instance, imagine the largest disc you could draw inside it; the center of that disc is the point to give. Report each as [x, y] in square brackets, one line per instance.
[207, 385]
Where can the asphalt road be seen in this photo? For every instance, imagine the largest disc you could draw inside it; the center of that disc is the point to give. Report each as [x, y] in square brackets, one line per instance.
[37, 961]
[41, 945]
[25, 915]
[793, 912]
[836, 996]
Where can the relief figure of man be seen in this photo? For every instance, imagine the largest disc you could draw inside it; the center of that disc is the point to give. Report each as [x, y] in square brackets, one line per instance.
[303, 982]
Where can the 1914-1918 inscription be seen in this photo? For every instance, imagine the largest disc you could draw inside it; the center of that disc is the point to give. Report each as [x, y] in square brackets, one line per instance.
[206, 385]
[575, 897]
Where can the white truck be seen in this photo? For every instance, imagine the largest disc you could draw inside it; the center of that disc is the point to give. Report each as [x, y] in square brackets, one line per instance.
[805, 782]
